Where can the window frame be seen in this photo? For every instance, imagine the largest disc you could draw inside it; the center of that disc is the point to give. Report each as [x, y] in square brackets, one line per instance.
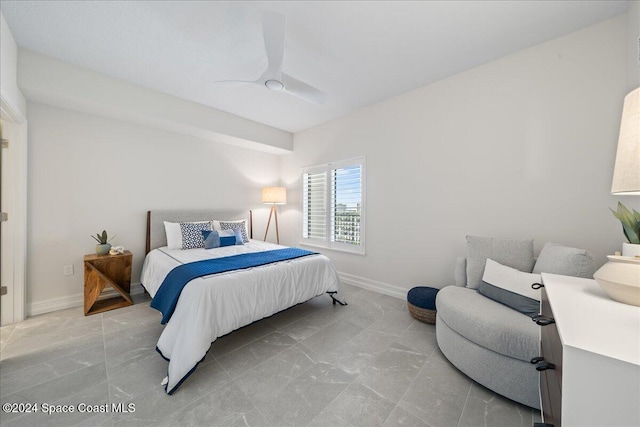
[328, 169]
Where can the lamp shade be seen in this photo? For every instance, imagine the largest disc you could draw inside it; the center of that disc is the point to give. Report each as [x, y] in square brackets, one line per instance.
[275, 195]
[626, 173]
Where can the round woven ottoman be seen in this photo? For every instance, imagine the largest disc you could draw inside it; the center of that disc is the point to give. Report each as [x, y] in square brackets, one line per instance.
[421, 301]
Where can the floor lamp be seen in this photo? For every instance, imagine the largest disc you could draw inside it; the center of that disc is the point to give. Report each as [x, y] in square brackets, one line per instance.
[274, 196]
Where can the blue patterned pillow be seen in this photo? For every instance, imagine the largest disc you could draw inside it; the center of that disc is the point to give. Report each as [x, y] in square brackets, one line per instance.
[236, 225]
[192, 234]
[216, 239]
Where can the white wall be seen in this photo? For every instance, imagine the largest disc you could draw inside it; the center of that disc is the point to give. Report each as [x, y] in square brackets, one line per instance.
[8, 63]
[51, 81]
[633, 50]
[522, 147]
[88, 173]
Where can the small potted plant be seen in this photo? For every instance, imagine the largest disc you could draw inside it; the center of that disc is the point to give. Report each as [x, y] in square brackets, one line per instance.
[103, 246]
[631, 228]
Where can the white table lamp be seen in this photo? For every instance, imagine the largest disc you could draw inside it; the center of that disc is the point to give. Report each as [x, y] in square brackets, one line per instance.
[620, 276]
[626, 173]
[274, 196]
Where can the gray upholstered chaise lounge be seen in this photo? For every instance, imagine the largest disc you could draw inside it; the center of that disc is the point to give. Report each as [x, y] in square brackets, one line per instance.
[490, 342]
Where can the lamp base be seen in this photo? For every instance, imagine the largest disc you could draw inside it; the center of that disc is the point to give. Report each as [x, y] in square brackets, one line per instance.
[620, 279]
[273, 212]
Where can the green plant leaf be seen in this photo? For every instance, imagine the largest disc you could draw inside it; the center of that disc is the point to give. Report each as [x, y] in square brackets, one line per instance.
[630, 223]
[631, 235]
[101, 238]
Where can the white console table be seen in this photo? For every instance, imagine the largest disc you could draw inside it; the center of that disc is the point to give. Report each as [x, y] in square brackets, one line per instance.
[597, 377]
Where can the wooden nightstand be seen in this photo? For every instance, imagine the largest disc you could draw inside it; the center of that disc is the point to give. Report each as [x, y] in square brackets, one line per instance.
[101, 271]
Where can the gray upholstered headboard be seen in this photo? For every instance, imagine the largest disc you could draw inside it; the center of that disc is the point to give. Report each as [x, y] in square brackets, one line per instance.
[157, 237]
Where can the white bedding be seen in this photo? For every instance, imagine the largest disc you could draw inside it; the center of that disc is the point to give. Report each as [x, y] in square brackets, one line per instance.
[213, 306]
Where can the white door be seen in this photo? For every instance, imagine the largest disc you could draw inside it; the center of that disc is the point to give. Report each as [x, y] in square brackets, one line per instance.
[13, 201]
[13, 230]
[6, 236]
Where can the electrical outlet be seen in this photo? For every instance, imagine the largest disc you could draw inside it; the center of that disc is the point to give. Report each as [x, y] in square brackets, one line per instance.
[68, 269]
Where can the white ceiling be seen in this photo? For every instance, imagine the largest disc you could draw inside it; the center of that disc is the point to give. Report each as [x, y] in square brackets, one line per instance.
[358, 52]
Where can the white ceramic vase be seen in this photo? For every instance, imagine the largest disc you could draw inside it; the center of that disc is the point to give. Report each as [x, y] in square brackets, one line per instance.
[620, 278]
[630, 249]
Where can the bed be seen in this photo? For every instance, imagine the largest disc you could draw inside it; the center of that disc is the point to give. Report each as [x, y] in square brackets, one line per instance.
[214, 305]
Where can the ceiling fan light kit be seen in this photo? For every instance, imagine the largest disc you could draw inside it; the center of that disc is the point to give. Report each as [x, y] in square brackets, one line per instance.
[274, 84]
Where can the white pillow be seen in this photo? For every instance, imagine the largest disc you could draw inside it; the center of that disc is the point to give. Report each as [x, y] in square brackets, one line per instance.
[511, 279]
[511, 287]
[174, 233]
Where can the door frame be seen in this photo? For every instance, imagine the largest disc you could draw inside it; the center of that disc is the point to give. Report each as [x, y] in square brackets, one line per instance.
[16, 205]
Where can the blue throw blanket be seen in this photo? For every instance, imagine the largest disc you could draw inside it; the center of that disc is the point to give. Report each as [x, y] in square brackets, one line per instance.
[167, 296]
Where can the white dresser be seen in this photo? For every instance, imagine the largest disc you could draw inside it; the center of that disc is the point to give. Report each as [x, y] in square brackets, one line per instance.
[595, 347]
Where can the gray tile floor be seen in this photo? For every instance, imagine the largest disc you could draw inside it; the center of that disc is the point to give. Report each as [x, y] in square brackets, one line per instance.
[367, 364]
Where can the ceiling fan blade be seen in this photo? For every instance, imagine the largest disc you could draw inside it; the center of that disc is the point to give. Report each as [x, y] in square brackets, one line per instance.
[273, 31]
[235, 82]
[302, 90]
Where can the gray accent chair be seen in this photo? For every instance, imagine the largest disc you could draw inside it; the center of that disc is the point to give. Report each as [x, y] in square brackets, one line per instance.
[490, 342]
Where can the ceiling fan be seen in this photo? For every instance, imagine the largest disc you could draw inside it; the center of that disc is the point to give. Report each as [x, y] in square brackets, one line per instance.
[273, 30]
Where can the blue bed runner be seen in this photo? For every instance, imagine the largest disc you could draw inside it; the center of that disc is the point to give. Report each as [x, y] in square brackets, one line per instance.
[167, 296]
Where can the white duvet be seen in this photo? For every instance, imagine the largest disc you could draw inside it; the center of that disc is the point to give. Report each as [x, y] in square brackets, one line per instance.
[213, 306]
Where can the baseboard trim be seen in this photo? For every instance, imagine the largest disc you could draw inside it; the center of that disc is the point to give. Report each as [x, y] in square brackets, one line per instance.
[374, 285]
[77, 300]
[70, 301]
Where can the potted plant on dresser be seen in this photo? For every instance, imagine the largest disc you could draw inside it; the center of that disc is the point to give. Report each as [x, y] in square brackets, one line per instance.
[631, 228]
[103, 246]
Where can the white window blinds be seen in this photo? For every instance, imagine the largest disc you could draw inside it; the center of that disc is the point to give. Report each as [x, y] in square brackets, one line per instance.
[333, 205]
[314, 211]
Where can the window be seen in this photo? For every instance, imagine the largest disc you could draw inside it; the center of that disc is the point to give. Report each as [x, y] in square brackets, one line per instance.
[333, 205]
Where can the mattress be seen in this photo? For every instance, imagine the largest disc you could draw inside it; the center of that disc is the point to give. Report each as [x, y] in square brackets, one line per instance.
[212, 306]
